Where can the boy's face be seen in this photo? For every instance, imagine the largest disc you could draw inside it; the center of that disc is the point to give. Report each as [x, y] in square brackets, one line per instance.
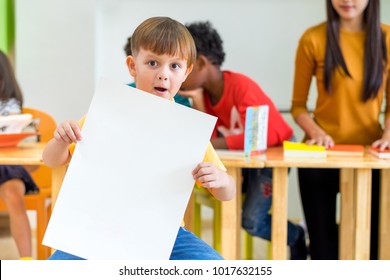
[161, 75]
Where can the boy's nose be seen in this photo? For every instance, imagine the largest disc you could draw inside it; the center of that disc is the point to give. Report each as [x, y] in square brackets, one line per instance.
[162, 74]
[162, 77]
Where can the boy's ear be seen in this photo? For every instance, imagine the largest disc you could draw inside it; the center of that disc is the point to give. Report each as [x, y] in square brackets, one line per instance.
[201, 61]
[131, 65]
[189, 69]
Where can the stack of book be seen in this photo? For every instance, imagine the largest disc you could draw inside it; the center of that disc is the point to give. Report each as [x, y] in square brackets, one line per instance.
[11, 129]
[378, 153]
[293, 149]
[14, 123]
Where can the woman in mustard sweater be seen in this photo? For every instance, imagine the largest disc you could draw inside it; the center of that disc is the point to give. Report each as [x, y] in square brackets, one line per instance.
[349, 57]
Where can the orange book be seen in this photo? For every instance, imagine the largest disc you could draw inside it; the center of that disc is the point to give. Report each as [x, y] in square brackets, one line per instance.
[378, 153]
[345, 150]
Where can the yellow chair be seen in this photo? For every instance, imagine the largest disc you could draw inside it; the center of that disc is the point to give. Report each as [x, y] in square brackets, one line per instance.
[40, 202]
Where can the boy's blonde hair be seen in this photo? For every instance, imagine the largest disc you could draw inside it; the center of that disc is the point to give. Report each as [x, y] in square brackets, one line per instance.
[163, 35]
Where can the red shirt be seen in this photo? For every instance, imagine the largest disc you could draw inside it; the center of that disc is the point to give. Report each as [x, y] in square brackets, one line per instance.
[239, 93]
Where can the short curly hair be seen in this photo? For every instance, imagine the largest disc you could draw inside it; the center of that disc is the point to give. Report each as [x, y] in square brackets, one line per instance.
[127, 47]
[207, 41]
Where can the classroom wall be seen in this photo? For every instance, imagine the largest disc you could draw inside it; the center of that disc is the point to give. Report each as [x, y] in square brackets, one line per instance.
[64, 47]
[55, 55]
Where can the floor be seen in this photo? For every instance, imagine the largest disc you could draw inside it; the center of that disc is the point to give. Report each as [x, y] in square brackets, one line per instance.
[8, 250]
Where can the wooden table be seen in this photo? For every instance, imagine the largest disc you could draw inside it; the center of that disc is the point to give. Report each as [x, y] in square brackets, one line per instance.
[30, 154]
[23, 154]
[355, 189]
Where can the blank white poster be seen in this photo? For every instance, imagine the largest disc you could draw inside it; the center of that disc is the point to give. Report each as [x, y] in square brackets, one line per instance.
[130, 178]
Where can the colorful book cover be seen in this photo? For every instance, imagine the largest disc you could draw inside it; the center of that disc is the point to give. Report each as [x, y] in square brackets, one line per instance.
[256, 129]
[294, 149]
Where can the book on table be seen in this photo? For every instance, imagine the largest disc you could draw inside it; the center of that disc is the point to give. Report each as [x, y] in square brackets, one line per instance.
[293, 149]
[385, 154]
[345, 150]
[13, 129]
[12, 124]
[256, 130]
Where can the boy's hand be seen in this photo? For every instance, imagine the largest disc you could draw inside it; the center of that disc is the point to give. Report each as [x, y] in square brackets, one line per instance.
[68, 132]
[210, 176]
[220, 184]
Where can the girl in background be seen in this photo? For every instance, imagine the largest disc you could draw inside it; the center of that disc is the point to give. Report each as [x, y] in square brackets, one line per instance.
[349, 57]
[15, 181]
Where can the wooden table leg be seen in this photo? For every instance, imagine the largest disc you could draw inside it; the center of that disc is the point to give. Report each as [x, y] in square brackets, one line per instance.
[231, 221]
[279, 213]
[347, 215]
[384, 216]
[363, 214]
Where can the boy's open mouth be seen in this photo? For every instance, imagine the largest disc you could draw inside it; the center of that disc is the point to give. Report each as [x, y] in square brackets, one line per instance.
[160, 89]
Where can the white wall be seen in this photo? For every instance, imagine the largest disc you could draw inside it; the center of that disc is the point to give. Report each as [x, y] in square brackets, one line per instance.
[55, 55]
[259, 36]
[64, 46]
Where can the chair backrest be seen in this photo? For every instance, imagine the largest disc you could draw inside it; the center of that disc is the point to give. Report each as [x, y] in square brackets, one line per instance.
[45, 126]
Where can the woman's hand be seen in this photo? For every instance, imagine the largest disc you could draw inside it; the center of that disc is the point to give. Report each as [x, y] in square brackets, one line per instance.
[321, 139]
[384, 142]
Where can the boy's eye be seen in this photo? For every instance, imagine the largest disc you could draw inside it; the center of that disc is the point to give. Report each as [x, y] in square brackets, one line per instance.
[175, 65]
[152, 63]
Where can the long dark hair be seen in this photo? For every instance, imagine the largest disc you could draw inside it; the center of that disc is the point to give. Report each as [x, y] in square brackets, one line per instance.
[375, 56]
[9, 87]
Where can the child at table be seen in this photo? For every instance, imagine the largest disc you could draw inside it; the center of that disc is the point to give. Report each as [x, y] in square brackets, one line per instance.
[15, 181]
[227, 95]
[163, 53]
[349, 56]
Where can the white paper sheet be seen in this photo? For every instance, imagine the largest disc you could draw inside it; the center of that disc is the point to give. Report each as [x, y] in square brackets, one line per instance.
[129, 181]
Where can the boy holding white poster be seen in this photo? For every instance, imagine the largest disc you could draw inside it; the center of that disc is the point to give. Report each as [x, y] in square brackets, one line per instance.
[163, 55]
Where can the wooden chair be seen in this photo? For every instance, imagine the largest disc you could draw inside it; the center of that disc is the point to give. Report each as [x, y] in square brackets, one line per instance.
[202, 197]
[40, 202]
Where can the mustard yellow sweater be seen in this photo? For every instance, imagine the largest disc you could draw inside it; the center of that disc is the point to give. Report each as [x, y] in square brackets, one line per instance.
[342, 115]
